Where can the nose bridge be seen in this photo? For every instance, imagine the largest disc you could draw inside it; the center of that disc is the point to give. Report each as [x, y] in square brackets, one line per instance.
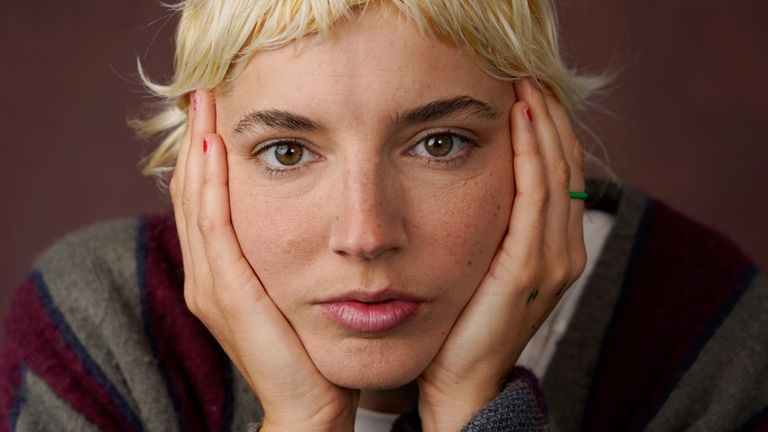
[368, 221]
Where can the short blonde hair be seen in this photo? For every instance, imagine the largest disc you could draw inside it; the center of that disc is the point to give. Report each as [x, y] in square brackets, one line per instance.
[510, 39]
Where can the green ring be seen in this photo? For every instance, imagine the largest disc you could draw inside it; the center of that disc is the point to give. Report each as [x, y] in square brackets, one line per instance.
[578, 195]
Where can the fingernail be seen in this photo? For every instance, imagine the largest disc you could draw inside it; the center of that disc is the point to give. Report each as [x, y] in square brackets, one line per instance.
[206, 144]
[528, 114]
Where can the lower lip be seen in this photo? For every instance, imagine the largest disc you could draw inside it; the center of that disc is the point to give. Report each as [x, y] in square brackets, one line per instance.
[371, 317]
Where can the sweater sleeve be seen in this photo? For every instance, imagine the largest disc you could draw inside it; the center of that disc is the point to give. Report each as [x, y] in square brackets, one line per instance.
[32, 360]
[519, 407]
[73, 355]
[99, 337]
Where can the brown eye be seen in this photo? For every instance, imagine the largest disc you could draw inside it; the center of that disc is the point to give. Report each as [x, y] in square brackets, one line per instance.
[439, 145]
[284, 156]
[289, 153]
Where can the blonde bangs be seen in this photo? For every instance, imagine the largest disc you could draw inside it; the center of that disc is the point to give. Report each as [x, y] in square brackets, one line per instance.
[509, 39]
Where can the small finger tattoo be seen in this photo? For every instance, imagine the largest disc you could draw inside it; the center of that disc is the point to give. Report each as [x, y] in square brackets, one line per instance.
[533, 295]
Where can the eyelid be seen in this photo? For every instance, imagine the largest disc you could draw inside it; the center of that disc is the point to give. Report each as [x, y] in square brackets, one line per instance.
[276, 171]
[277, 141]
[425, 135]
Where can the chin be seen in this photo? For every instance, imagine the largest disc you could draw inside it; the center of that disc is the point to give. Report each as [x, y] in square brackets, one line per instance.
[372, 364]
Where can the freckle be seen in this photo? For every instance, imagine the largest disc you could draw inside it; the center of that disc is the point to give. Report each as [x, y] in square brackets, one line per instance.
[469, 263]
[498, 206]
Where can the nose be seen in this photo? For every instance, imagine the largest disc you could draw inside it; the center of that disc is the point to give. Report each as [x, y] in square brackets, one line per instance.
[369, 221]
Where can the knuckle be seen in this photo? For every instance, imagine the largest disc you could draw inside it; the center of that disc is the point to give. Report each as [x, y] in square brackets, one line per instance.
[578, 262]
[191, 301]
[206, 225]
[531, 277]
[561, 274]
[561, 280]
[528, 279]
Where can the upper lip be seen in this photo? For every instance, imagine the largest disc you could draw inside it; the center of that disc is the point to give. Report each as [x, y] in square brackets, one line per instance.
[373, 297]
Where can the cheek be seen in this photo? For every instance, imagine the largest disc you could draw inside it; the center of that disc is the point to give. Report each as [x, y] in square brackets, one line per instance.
[462, 228]
[272, 230]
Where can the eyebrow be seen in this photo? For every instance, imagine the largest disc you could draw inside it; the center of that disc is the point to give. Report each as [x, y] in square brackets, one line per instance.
[435, 110]
[443, 108]
[276, 119]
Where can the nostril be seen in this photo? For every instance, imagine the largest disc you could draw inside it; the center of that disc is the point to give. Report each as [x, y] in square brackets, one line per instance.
[341, 253]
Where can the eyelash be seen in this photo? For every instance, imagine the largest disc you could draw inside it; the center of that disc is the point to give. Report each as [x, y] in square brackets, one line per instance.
[278, 172]
[444, 161]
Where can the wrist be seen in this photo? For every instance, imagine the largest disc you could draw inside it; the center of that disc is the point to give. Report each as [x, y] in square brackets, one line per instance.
[341, 423]
[444, 413]
[267, 426]
[519, 406]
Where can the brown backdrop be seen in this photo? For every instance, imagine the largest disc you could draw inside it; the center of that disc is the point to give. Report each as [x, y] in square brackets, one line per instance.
[690, 111]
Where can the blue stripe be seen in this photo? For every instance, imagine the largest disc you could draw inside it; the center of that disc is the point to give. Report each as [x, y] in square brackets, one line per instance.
[146, 315]
[755, 421]
[641, 235]
[227, 413]
[709, 331]
[18, 400]
[74, 344]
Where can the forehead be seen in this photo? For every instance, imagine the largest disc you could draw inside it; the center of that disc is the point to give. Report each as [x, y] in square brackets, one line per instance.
[372, 64]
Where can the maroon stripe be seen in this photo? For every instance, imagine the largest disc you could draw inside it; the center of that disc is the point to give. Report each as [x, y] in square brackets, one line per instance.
[12, 355]
[34, 341]
[196, 368]
[680, 277]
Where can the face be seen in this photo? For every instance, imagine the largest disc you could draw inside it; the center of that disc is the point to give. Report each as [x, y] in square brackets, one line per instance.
[370, 185]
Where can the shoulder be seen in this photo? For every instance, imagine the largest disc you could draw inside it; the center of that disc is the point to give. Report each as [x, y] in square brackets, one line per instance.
[112, 246]
[108, 244]
[656, 234]
[74, 336]
[677, 315]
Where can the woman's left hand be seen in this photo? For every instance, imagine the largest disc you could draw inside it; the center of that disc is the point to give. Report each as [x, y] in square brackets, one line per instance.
[542, 254]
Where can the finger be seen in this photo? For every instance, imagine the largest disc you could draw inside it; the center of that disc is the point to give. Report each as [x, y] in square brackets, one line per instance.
[556, 166]
[521, 248]
[506, 287]
[177, 185]
[575, 156]
[557, 169]
[203, 123]
[238, 293]
[177, 180]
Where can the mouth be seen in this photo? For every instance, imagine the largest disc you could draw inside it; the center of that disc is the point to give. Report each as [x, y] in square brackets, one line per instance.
[371, 312]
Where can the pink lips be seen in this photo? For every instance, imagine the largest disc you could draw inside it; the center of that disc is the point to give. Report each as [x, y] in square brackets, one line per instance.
[371, 313]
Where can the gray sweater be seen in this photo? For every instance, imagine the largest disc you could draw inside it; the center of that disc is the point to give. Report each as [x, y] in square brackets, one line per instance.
[671, 333]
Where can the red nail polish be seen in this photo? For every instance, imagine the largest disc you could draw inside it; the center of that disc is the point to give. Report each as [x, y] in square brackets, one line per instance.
[205, 145]
[528, 115]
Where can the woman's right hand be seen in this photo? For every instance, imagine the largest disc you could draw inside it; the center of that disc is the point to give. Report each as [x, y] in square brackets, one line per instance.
[222, 290]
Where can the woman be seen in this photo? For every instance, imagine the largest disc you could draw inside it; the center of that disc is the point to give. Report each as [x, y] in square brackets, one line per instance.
[378, 216]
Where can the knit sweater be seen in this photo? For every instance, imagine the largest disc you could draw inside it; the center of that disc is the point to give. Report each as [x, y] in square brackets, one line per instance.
[670, 333]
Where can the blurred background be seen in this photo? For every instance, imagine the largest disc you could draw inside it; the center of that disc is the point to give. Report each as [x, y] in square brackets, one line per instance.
[687, 116]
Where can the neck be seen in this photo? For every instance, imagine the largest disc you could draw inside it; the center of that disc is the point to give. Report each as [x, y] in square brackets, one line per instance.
[397, 401]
